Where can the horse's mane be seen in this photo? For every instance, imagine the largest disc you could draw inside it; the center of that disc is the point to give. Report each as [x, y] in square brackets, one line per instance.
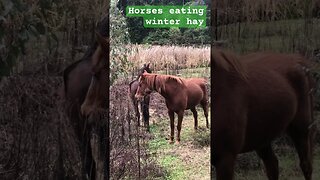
[229, 62]
[162, 78]
[170, 77]
[103, 29]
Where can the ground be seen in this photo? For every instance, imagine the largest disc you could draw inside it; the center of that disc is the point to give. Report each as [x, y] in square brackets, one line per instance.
[191, 158]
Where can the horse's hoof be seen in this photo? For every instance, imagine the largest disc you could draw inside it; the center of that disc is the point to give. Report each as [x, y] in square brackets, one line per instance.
[170, 141]
[177, 142]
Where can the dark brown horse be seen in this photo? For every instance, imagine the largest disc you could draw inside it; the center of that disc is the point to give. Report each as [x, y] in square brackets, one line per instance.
[180, 94]
[144, 103]
[77, 79]
[255, 101]
[95, 103]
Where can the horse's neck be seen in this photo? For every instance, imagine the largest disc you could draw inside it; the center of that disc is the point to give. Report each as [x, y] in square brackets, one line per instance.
[162, 89]
[225, 82]
[157, 86]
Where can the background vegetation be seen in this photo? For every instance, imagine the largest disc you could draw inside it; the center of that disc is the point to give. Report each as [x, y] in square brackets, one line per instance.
[165, 36]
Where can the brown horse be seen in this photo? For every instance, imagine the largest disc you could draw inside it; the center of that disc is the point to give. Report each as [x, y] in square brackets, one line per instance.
[78, 79]
[96, 102]
[256, 100]
[180, 94]
[144, 103]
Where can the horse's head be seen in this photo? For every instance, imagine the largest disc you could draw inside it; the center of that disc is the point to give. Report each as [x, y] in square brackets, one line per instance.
[144, 86]
[96, 97]
[146, 67]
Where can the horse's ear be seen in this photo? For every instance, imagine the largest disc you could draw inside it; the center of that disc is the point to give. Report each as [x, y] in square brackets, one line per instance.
[148, 65]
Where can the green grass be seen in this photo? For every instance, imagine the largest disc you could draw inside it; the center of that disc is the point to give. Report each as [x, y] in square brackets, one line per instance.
[158, 142]
[175, 165]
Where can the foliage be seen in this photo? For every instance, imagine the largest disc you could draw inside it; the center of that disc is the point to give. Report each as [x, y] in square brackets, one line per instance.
[119, 63]
[37, 140]
[42, 35]
[19, 22]
[139, 34]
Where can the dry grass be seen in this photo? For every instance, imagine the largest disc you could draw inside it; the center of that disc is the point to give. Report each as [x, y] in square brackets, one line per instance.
[163, 57]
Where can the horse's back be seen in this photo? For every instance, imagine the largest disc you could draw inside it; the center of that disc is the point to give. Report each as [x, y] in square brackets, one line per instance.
[197, 81]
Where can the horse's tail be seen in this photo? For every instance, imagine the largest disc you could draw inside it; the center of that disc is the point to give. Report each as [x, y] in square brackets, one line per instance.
[204, 86]
[311, 86]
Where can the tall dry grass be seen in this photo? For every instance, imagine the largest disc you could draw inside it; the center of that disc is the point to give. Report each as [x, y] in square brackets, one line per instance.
[172, 57]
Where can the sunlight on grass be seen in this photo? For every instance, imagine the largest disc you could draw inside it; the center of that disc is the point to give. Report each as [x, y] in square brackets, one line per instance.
[174, 165]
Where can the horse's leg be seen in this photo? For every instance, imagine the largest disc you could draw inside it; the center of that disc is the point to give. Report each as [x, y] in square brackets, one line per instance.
[204, 105]
[270, 162]
[302, 133]
[145, 112]
[171, 116]
[180, 117]
[88, 159]
[96, 154]
[141, 110]
[304, 146]
[225, 167]
[195, 116]
[136, 109]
